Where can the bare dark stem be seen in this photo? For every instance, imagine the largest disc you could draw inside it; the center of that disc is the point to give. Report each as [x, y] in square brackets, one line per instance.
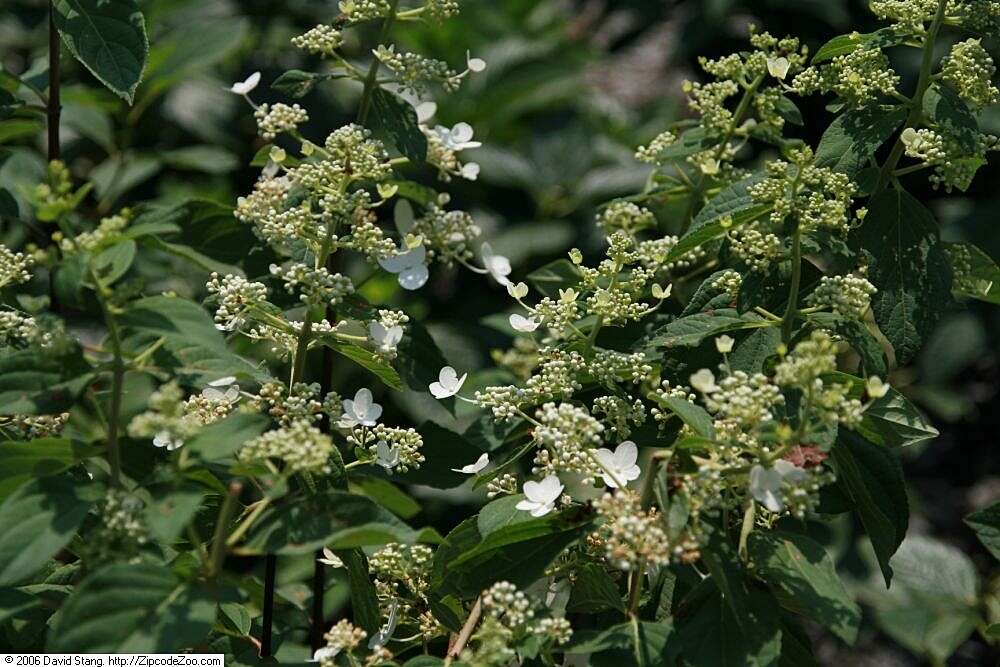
[54, 107]
[270, 562]
[318, 591]
[218, 554]
[792, 310]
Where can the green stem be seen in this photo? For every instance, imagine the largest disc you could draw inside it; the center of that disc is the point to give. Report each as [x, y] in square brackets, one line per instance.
[916, 103]
[371, 81]
[241, 530]
[218, 555]
[634, 591]
[793, 293]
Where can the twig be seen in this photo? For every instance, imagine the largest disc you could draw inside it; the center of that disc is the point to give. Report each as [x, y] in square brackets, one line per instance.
[53, 106]
[466, 633]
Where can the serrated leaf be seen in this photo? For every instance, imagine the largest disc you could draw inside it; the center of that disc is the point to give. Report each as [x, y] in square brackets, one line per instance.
[943, 106]
[398, 119]
[843, 44]
[909, 268]
[553, 277]
[853, 137]
[976, 274]
[690, 331]
[872, 478]
[41, 457]
[986, 523]
[368, 360]
[133, 608]
[38, 382]
[39, 519]
[594, 591]
[443, 450]
[108, 37]
[693, 415]
[731, 207]
[805, 574]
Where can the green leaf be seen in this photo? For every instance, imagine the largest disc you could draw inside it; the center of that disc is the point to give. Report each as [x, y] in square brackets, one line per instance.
[398, 119]
[750, 353]
[806, 577]
[368, 360]
[133, 608]
[191, 47]
[872, 478]
[297, 83]
[39, 519]
[205, 158]
[419, 360]
[715, 636]
[948, 111]
[909, 267]
[893, 421]
[364, 598]
[853, 137]
[593, 591]
[986, 523]
[553, 277]
[108, 37]
[334, 519]
[386, 494]
[732, 207]
[42, 457]
[690, 331]
[976, 274]
[224, 438]
[844, 44]
[114, 262]
[172, 509]
[443, 450]
[467, 562]
[693, 415]
[691, 141]
[37, 382]
[873, 360]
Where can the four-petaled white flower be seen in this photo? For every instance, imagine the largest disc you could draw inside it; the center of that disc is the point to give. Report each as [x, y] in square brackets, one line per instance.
[704, 381]
[361, 411]
[330, 558]
[458, 138]
[409, 266]
[385, 633]
[168, 440]
[540, 497]
[474, 64]
[385, 338]
[765, 484]
[474, 468]
[223, 389]
[498, 266]
[619, 465]
[724, 344]
[386, 456]
[246, 86]
[523, 324]
[448, 383]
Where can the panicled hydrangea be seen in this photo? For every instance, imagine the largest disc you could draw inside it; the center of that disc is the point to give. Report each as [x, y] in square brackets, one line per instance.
[567, 436]
[106, 232]
[323, 39]
[121, 532]
[357, 11]
[955, 159]
[449, 234]
[405, 564]
[278, 118]
[29, 427]
[169, 420]
[395, 449]
[315, 286]
[629, 536]
[14, 267]
[621, 215]
[342, 638]
[504, 485]
[234, 296]
[653, 153]
[300, 446]
[804, 367]
[970, 69]
[859, 78]
[415, 72]
[846, 295]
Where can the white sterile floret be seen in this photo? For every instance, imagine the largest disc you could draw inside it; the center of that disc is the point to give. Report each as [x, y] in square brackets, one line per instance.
[518, 291]
[619, 466]
[778, 67]
[448, 383]
[385, 338]
[386, 455]
[330, 558]
[457, 138]
[724, 344]
[361, 411]
[470, 171]
[540, 497]
[876, 388]
[325, 653]
[425, 111]
[498, 266]
[223, 389]
[246, 86]
[409, 266]
[474, 64]
[523, 324]
[474, 468]
[765, 483]
[384, 634]
[167, 440]
[704, 381]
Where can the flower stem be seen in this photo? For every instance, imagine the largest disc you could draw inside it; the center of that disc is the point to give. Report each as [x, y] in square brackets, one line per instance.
[466, 632]
[916, 103]
[218, 554]
[53, 106]
[371, 81]
[791, 311]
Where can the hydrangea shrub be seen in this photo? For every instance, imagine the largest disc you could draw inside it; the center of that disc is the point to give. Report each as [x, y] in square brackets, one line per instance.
[683, 410]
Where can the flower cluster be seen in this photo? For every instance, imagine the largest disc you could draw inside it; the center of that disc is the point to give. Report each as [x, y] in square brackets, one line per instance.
[630, 538]
[300, 446]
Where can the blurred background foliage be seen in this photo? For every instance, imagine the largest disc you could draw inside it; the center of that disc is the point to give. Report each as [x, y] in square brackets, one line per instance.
[572, 87]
